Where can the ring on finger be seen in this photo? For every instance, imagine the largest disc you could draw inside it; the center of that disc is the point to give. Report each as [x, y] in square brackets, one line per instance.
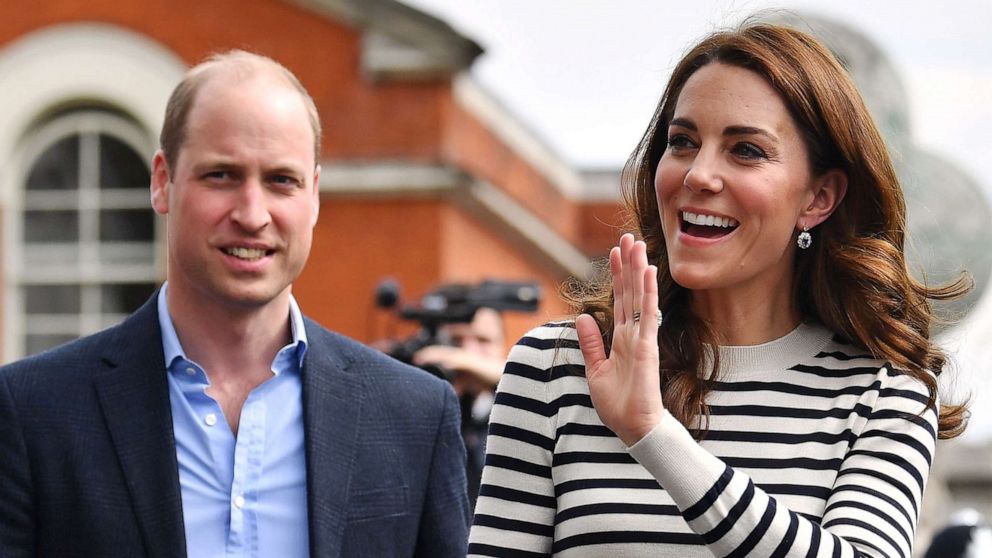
[637, 316]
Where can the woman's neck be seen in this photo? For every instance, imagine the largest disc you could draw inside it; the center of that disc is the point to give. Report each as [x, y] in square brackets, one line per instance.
[745, 315]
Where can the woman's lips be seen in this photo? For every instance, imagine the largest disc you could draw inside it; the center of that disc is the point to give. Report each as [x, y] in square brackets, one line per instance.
[703, 225]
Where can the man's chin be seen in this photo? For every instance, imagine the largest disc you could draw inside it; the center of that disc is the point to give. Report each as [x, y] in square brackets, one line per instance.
[251, 297]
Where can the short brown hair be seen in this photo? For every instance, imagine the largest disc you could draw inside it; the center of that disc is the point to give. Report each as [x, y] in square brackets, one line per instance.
[243, 64]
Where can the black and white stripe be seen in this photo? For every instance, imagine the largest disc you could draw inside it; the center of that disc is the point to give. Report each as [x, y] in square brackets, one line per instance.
[814, 449]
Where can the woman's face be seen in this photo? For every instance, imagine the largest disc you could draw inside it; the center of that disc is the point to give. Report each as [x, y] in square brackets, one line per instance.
[732, 183]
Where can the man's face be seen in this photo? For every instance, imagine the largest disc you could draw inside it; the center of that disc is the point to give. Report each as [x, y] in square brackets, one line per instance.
[242, 201]
[483, 335]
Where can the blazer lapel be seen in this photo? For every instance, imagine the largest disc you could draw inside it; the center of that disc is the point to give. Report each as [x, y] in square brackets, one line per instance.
[332, 406]
[134, 396]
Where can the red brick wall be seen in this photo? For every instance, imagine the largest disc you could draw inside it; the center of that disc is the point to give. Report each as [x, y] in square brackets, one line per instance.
[472, 146]
[421, 242]
[361, 119]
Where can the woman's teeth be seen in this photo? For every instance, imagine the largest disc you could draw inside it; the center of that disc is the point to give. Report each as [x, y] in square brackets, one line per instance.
[708, 220]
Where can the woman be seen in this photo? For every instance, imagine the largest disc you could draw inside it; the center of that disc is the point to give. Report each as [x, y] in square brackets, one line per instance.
[785, 406]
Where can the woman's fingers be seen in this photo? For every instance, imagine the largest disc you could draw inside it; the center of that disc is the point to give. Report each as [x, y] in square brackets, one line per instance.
[628, 266]
[616, 269]
[590, 342]
[627, 281]
[634, 265]
[649, 308]
[638, 263]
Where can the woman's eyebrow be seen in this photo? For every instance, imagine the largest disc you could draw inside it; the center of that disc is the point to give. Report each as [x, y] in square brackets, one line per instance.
[748, 131]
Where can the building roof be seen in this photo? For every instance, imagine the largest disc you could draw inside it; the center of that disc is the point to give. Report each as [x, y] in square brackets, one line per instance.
[401, 42]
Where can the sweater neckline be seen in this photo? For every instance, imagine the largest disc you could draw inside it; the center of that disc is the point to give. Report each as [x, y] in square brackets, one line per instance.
[798, 345]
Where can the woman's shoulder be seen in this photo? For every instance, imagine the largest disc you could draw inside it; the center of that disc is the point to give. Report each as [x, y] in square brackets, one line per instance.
[546, 353]
[843, 356]
[551, 336]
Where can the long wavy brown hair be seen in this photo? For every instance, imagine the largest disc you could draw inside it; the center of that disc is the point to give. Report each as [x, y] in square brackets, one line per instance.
[854, 280]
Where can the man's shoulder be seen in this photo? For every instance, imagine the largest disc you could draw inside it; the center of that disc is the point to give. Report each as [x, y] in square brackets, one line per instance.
[75, 359]
[57, 377]
[377, 368]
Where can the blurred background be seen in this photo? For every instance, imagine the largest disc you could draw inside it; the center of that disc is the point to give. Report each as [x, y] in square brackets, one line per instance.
[465, 140]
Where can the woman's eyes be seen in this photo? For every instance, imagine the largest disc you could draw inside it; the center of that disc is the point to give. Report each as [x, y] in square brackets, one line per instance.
[743, 149]
[680, 141]
[748, 151]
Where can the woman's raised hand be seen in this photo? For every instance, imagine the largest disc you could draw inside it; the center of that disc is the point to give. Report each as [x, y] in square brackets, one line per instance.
[625, 388]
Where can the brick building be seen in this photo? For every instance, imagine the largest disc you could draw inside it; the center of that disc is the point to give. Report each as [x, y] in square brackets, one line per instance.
[425, 177]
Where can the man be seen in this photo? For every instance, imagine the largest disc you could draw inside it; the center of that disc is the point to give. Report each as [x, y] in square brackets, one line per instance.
[217, 420]
[476, 354]
[475, 357]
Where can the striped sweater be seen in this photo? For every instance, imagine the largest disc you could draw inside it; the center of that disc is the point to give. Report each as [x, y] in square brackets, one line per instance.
[814, 449]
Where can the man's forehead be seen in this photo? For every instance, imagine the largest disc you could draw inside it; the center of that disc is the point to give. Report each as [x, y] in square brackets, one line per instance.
[246, 106]
[233, 80]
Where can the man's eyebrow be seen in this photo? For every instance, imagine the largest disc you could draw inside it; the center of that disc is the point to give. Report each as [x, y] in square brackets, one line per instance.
[285, 169]
[219, 162]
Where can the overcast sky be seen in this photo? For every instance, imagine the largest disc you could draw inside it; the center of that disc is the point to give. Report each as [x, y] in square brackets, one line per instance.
[585, 75]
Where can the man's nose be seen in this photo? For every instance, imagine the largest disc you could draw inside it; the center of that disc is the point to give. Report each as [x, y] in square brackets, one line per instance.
[251, 211]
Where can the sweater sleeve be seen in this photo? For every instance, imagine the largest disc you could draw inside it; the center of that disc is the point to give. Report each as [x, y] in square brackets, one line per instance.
[514, 514]
[873, 507]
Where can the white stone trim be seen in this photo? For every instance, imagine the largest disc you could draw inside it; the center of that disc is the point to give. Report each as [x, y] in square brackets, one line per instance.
[387, 178]
[473, 98]
[491, 205]
[62, 66]
[82, 62]
[536, 236]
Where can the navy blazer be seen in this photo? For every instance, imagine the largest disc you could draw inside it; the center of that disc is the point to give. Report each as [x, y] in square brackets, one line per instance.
[88, 461]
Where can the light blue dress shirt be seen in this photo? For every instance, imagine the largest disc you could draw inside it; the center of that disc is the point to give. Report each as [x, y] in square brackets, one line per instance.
[244, 496]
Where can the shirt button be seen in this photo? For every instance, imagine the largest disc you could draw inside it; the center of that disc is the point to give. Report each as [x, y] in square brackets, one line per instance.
[239, 501]
[190, 371]
[210, 419]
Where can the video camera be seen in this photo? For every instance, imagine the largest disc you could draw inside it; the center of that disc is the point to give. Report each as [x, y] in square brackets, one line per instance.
[452, 303]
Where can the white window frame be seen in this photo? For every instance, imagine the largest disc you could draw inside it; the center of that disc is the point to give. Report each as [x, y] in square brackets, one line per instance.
[59, 67]
[78, 262]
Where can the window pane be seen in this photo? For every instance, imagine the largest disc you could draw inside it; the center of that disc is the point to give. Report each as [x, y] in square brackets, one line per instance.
[127, 224]
[57, 168]
[51, 226]
[38, 257]
[52, 299]
[37, 343]
[125, 298]
[120, 166]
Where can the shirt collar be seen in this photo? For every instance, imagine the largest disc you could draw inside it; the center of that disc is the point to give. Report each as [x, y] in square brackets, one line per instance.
[174, 350]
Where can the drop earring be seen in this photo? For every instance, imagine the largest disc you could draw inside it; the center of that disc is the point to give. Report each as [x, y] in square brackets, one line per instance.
[804, 240]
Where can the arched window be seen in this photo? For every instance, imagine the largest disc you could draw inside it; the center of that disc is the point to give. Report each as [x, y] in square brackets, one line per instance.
[86, 234]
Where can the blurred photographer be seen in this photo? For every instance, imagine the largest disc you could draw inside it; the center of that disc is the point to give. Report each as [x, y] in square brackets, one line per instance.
[476, 353]
[461, 339]
[474, 361]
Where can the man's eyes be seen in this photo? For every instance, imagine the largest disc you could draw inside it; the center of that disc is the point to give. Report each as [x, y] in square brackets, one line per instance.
[285, 181]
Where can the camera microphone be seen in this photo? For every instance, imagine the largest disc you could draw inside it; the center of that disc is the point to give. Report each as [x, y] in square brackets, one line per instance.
[387, 293]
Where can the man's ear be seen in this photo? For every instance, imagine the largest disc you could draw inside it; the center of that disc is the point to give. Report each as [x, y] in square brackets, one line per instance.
[829, 190]
[316, 195]
[160, 184]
